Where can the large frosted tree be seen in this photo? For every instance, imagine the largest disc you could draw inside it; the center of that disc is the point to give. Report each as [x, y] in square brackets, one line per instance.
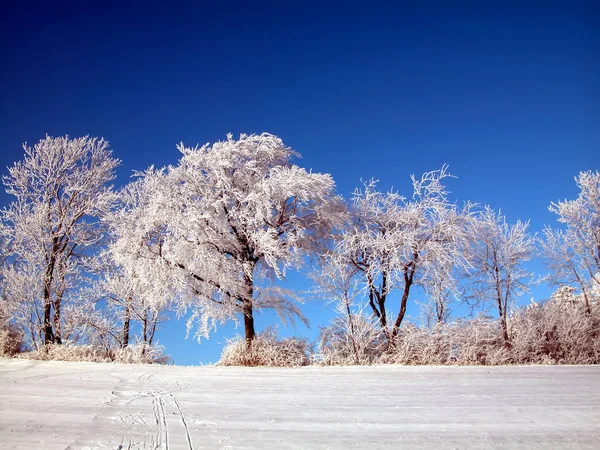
[59, 189]
[227, 219]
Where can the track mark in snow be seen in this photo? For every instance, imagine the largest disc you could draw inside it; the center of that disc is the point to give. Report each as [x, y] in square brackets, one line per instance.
[161, 420]
[146, 377]
[51, 375]
[132, 419]
[187, 430]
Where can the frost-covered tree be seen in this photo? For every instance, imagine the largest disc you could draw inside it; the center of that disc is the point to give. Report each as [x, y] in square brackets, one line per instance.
[353, 337]
[138, 290]
[395, 243]
[441, 285]
[573, 253]
[228, 218]
[498, 253]
[59, 189]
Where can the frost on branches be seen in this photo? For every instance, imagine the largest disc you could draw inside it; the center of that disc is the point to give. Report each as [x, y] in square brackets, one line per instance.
[498, 252]
[226, 220]
[573, 253]
[59, 190]
[397, 243]
[139, 289]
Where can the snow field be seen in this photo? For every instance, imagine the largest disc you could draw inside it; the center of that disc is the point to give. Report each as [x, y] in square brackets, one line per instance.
[58, 405]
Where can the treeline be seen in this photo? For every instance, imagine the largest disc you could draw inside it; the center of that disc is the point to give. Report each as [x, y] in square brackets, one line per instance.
[89, 272]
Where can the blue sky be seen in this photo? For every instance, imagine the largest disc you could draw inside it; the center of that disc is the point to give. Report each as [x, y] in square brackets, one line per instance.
[506, 93]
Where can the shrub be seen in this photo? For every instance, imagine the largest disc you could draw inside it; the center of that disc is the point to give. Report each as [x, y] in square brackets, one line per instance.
[11, 340]
[133, 354]
[475, 342]
[559, 331]
[351, 341]
[11, 337]
[266, 350]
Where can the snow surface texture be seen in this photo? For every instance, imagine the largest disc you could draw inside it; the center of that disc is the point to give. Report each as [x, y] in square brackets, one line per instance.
[57, 405]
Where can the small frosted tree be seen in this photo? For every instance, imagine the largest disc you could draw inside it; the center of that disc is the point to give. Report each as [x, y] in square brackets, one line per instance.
[498, 252]
[58, 189]
[353, 337]
[573, 253]
[441, 285]
[139, 289]
[231, 217]
[395, 243]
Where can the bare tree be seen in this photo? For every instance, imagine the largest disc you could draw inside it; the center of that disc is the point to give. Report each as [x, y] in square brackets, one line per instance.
[497, 254]
[58, 189]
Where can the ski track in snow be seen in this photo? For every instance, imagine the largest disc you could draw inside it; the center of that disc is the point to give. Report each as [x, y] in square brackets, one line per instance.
[56, 405]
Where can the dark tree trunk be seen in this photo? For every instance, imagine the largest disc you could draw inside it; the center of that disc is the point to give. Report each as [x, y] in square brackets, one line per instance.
[588, 309]
[153, 324]
[48, 332]
[145, 332]
[502, 306]
[505, 331]
[408, 281]
[57, 334]
[441, 309]
[502, 313]
[249, 324]
[248, 312]
[381, 296]
[58, 295]
[126, 322]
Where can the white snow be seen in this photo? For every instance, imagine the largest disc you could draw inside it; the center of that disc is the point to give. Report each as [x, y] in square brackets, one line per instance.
[55, 405]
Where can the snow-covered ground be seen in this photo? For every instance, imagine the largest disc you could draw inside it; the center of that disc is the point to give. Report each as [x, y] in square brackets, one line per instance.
[54, 405]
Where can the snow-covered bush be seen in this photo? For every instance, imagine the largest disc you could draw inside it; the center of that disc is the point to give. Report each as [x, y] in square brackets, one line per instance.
[475, 342]
[267, 350]
[133, 354]
[355, 339]
[11, 337]
[11, 340]
[559, 331]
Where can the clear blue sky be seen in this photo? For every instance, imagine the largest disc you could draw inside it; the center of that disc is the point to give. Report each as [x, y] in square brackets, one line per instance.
[507, 93]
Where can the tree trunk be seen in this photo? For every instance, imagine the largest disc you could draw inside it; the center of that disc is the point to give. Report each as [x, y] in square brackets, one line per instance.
[145, 332]
[126, 322]
[249, 323]
[57, 334]
[379, 309]
[588, 309]
[502, 312]
[440, 310]
[153, 323]
[48, 332]
[352, 333]
[505, 331]
[248, 312]
[408, 281]
[34, 338]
